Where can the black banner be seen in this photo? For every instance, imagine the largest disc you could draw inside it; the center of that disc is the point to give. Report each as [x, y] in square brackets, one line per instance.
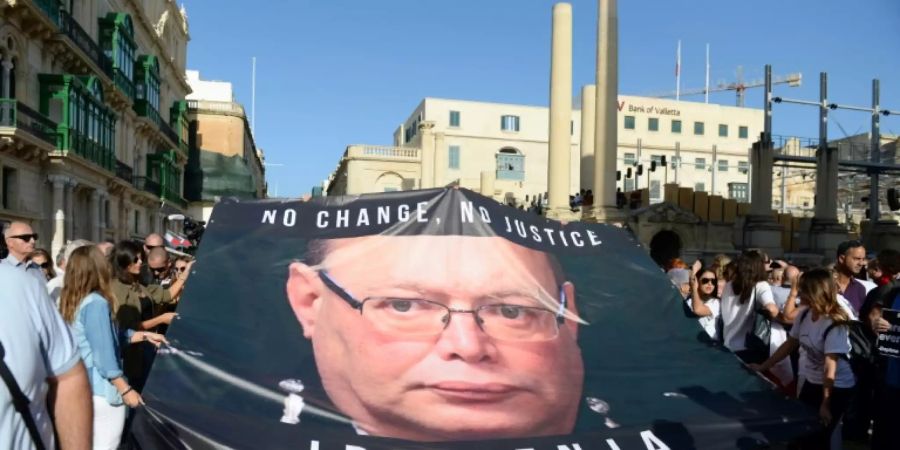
[889, 341]
[439, 319]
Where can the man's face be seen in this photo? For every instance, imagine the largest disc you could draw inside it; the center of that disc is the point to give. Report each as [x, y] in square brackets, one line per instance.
[20, 239]
[158, 266]
[854, 260]
[460, 383]
[152, 241]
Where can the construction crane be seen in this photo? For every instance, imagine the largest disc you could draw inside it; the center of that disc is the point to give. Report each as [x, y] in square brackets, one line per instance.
[739, 86]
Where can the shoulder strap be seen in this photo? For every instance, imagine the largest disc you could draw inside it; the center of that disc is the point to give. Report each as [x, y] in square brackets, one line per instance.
[803, 316]
[20, 401]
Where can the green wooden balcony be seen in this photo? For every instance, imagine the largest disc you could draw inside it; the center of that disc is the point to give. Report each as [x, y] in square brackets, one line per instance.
[14, 114]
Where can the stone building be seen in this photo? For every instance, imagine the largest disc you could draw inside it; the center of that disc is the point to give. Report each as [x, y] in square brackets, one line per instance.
[93, 126]
[224, 159]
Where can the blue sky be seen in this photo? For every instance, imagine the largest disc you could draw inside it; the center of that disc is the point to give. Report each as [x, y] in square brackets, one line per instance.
[336, 72]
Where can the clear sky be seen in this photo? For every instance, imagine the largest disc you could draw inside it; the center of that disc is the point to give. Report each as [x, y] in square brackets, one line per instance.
[336, 72]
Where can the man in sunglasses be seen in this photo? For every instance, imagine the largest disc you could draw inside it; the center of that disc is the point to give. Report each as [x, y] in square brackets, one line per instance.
[20, 240]
[435, 338]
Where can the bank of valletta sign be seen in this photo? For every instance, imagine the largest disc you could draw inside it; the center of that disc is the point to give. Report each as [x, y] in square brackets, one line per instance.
[647, 109]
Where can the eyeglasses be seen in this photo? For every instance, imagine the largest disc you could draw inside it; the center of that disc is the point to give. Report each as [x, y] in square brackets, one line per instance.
[151, 247]
[707, 280]
[158, 269]
[413, 317]
[26, 237]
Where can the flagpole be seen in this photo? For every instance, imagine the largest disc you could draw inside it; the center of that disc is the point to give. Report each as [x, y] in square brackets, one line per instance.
[707, 73]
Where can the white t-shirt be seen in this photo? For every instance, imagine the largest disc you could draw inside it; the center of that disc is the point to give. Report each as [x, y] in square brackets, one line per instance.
[737, 317]
[709, 322]
[816, 345]
[780, 294]
[868, 285]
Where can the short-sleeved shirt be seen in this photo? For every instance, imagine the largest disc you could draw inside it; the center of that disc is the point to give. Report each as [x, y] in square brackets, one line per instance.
[816, 345]
[37, 345]
[708, 323]
[737, 317]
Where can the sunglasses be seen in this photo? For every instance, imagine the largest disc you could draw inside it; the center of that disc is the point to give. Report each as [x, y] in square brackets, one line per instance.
[180, 269]
[707, 280]
[26, 237]
[45, 265]
[158, 269]
[151, 247]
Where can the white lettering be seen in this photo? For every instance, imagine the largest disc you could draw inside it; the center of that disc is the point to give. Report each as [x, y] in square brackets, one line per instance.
[549, 232]
[269, 216]
[576, 239]
[535, 234]
[508, 225]
[290, 218]
[343, 218]
[322, 219]
[403, 213]
[652, 442]
[420, 212]
[467, 211]
[363, 218]
[566, 447]
[593, 237]
[612, 444]
[520, 227]
[484, 214]
[314, 445]
[353, 447]
[562, 237]
[384, 214]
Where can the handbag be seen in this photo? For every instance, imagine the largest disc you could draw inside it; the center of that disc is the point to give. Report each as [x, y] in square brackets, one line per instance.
[20, 401]
[756, 342]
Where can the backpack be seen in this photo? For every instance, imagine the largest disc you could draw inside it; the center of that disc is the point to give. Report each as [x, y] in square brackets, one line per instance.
[861, 354]
[759, 336]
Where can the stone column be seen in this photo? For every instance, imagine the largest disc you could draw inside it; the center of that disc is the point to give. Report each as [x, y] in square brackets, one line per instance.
[7, 66]
[487, 183]
[588, 121]
[70, 208]
[59, 213]
[559, 164]
[95, 215]
[426, 128]
[441, 160]
[606, 131]
[760, 228]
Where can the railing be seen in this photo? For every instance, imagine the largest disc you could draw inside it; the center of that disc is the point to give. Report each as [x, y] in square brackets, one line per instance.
[848, 149]
[216, 107]
[19, 115]
[169, 133]
[383, 152]
[124, 171]
[123, 83]
[144, 109]
[50, 8]
[174, 197]
[147, 185]
[83, 41]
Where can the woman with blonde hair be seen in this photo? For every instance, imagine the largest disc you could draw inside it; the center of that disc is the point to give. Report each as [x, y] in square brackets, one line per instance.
[821, 327]
[87, 304]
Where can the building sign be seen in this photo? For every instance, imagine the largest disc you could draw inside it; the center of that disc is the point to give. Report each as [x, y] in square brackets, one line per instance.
[624, 106]
[439, 319]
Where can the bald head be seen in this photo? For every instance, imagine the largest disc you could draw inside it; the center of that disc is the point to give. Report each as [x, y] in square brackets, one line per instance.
[790, 273]
[20, 239]
[153, 240]
[158, 256]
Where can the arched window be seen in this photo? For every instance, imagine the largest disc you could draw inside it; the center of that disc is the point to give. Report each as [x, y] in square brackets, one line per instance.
[389, 182]
[510, 164]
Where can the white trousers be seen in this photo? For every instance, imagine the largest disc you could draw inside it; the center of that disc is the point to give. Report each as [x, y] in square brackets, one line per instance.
[109, 421]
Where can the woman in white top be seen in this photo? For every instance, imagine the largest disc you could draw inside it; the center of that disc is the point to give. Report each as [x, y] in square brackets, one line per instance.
[744, 295]
[704, 302]
[821, 329]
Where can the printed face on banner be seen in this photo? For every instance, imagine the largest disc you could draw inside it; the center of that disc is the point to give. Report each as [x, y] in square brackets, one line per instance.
[435, 338]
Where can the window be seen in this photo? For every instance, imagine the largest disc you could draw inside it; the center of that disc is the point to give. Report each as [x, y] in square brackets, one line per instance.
[137, 222]
[629, 184]
[723, 165]
[723, 130]
[656, 159]
[509, 123]
[738, 191]
[676, 126]
[454, 157]
[700, 163]
[699, 187]
[10, 185]
[510, 165]
[742, 132]
[743, 167]
[698, 128]
[454, 119]
[653, 124]
[655, 191]
[630, 159]
[629, 122]
[676, 161]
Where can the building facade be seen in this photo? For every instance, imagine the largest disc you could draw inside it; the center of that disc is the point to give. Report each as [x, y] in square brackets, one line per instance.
[224, 160]
[704, 146]
[93, 125]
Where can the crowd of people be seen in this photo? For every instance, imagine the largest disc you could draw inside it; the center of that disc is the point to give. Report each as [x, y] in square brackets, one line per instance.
[78, 335]
[812, 331]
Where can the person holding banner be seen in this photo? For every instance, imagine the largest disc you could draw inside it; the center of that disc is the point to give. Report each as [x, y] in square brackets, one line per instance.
[821, 329]
[415, 339]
